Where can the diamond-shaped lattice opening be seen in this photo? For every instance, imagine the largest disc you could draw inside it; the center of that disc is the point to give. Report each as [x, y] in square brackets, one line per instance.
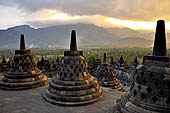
[133, 84]
[142, 73]
[77, 75]
[68, 70]
[71, 74]
[71, 66]
[142, 96]
[151, 75]
[168, 84]
[168, 101]
[154, 99]
[61, 73]
[156, 83]
[135, 93]
[139, 87]
[74, 70]
[80, 70]
[65, 74]
[149, 89]
[161, 92]
[162, 76]
[137, 78]
[144, 81]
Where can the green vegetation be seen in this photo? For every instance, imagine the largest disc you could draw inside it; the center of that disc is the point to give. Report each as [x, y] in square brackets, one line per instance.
[90, 54]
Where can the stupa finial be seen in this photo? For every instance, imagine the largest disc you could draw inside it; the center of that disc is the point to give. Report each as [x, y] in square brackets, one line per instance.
[135, 60]
[159, 48]
[22, 42]
[73, 44]
[104, 58]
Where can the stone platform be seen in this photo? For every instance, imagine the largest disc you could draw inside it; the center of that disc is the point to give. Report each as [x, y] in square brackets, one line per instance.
[31, 101]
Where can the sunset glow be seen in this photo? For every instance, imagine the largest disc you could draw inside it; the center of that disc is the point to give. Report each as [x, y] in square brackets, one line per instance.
[135, 24]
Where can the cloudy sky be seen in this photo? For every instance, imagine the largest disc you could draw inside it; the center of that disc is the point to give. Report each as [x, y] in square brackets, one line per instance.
[135, 14]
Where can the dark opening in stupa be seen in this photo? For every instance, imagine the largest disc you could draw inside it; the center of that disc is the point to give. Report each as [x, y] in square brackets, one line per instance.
[23, 73]
[73, 85]
[150, 90]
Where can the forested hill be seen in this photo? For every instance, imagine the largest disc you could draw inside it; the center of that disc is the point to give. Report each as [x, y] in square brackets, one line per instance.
[88, 35]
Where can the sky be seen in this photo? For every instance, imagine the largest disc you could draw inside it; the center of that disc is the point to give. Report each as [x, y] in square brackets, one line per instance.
[134, 14]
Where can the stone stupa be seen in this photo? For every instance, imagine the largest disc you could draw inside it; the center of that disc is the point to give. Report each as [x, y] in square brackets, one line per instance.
[134, 64]
[93, 67]
[150, 90]
[45, 66]
[105, 76]
[73, 85]
[23, 73]
[4, 66]
[112, 63]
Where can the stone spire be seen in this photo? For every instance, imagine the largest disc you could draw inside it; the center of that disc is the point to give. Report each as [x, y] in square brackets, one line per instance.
[4, 60]
[22, 42]
[73, 44]
[104, 58]
[135, 60]
[159, 48]
[121, 60]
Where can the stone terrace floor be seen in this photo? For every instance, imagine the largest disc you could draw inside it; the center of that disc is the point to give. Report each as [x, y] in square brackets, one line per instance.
[31, 101]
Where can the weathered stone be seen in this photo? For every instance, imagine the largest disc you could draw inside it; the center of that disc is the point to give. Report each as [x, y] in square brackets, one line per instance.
[150, 90]
[73, 85]
[47, 68]
[105, 76]
[93, 67]
[4, 66]
[23, 73]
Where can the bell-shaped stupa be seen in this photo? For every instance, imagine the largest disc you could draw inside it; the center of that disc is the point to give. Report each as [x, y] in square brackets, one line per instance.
[23, 73]
[73, 85]
[4, 66]
[94, 65]
[150, 90]
[106, 77]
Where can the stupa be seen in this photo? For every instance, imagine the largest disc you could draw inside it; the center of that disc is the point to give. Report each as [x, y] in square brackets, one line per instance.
[23, 73]
[112, 63]
[105, 76]
[55, 66]
[73, 85]
[150, 91]
[93, 67]
[134, 64]
[4, 66]
[45, 66]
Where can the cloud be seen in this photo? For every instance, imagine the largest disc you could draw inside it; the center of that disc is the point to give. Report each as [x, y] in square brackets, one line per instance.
[122, 9]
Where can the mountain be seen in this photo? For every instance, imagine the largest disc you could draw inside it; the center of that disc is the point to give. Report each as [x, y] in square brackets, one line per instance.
[89, 35]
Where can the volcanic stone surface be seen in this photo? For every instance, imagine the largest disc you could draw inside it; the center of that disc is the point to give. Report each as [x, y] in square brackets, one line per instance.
[23, 73]
[30, 101]
[46, 67]
[73, 85]
[150, 91]
[94, 65]
[105, 76]
[4, 66]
